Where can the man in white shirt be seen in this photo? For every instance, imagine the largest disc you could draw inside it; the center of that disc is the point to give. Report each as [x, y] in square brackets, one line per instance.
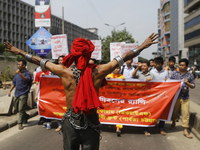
[127, 70]
[160, 74]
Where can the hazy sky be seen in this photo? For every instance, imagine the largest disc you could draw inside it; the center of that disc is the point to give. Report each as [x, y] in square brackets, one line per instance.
[140, 16]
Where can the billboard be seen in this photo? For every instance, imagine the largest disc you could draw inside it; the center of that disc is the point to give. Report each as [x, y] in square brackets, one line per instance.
[40, 42]
[42, 13]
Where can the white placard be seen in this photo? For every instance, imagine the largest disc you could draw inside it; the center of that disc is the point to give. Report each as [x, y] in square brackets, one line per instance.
[96, 54]
[115, 49]
[59, 46]
[126, 47]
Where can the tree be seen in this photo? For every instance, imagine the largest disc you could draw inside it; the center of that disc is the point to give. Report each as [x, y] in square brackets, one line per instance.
[118, 36]
[8, 56]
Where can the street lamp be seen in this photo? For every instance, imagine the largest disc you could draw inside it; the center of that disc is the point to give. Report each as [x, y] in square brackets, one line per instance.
[114, 27]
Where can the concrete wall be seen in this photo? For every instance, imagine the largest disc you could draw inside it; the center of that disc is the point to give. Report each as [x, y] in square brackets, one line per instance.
[13, 66]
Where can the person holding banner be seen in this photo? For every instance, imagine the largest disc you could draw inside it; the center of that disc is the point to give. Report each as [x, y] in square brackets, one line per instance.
[183, 100]
[46, 122]
[127, 70]
[114, 75]
[160, 74]
[82, 83]
[144, 75]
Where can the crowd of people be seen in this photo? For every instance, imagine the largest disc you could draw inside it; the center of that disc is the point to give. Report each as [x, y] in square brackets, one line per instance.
[86, 73]
[154, 70]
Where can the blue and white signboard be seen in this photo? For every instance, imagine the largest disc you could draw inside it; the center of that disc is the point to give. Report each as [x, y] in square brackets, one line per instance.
[40, 42]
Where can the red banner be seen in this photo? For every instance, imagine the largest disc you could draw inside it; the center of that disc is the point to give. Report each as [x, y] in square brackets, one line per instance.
[129, 102]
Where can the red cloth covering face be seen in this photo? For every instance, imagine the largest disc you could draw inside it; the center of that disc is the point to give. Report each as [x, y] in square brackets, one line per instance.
[86, 97]
[81, 51]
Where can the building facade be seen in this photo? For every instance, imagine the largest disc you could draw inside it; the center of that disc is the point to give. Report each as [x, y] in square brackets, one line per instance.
[165, 28]
[192, 30]
[159, 35]
[177, 29]
[17, 25]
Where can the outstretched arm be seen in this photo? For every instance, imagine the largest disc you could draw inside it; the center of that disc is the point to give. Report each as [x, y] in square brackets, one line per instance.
[105, 69]
[55, 69]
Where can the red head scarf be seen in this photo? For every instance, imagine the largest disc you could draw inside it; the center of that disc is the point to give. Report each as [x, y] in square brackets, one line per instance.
[81, 51]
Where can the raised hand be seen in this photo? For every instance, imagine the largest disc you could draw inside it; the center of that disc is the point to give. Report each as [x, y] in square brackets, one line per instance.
[150, 40]
[11, 48]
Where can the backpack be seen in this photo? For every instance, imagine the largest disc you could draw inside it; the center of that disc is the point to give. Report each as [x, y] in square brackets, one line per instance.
[30, 82]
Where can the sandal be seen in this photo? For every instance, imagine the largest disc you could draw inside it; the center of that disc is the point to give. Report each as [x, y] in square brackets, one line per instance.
[163, 132]
[147, 133]
[188, 136]
[58, 129]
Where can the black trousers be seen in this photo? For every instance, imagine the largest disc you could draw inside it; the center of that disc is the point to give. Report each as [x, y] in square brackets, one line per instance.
[73, 138]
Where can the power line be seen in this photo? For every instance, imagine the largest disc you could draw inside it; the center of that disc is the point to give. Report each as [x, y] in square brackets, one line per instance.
[96, 11]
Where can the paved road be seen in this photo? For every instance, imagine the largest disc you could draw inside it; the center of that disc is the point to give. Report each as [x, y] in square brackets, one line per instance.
[3, 92]
[195, 93]
[34, 137]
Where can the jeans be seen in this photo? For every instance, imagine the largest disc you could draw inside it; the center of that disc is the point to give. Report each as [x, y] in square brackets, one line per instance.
[161, 125]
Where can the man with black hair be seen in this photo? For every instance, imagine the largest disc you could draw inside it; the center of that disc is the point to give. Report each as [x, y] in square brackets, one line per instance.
[21, 82]
[144, 75]
[171, 68]
[152, 64]
[160, 74]
[128, 69]
[92, 61]
[183, 100]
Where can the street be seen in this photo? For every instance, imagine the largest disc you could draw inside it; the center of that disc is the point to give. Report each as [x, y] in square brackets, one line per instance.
[34, 137]
[194, 93]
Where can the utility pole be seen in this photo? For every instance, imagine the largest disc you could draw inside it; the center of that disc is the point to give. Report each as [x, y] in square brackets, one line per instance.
[63, 27]
[114, 28]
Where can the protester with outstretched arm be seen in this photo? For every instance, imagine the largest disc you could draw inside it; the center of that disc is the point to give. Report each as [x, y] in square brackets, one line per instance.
[89, 79]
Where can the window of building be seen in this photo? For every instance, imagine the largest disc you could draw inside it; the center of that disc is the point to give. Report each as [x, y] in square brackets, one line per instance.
[192, 22]
[167, 26]
[13, 36]
[167, 17]
[192, 35]
[167, 8]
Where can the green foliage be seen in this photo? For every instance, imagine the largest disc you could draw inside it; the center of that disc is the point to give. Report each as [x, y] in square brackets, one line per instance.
[8, 56]
[142, 59]
[118, 36]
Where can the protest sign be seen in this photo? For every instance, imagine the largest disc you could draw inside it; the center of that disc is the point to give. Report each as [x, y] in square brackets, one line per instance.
[126, 47]
[59, 46]
[96, 54]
